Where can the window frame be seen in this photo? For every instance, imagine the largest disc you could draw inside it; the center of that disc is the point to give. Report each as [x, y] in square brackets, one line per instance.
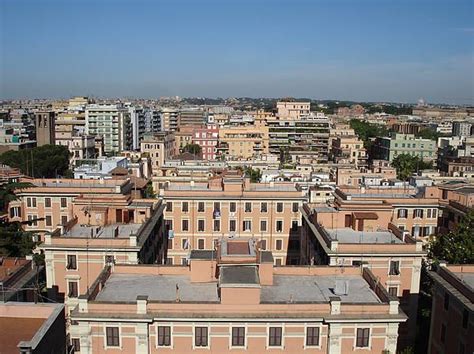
[357, 343]
[75, 262]
[106, 337]
[398, 270]
[271, 338]
[262, 208]
[203, 222]
[195, 335]
[280, 207]
[169, 336]
[238, 337]
[308, 345]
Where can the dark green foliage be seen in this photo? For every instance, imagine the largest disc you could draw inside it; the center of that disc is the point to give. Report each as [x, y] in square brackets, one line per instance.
[365, 130]
[194, 149]
[456, 247]
[14, 242]
[7, 193]
[48, 161]
[407, 164]
[149, 192]
[428, 133]
[254, 175]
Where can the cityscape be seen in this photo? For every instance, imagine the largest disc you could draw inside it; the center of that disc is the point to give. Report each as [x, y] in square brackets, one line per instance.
[193, 204]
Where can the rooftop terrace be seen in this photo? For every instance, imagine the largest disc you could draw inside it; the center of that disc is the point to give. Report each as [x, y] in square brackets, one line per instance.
[348, 235]
[107, 231]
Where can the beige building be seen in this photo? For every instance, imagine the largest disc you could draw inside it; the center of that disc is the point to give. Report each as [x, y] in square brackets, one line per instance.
[349, 150]
[243, 142]
[230, 206]
[45, 125]
[159, 148]
[233, 300]
[292, 110]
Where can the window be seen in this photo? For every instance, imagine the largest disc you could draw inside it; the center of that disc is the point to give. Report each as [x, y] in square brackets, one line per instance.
[278, 262]
[201, 207]
[446, 301]
[263, 244]
[232, 225]
[294, 208]
[263, 225]
[393, 291]
[279, 225]
[184, 207]
[170, 244]
[73, 291]
[112, 334]
[76, 344]
[217, 225]
[71, 262]
[184, 225]
[48, 220]
[201, 225]
[418, 213]
[247, 225]
[394, 268]
[279, 207]
[164, 336]
[294, 225]
[312, 336]
[238, 336]
[465, 318]
[443, 333]
[169, 261]
[31, 202]
[47, 202]
[232, 207]
[200, 336]
[263, 207]
[201, 244]
[217, 206]
[362, 340]
[274, 337]
[248, 207]
[63, 202]
[63, 219]
[15, 212]
[279, 245]
[169, 206]
[184, 244]
[402, 213]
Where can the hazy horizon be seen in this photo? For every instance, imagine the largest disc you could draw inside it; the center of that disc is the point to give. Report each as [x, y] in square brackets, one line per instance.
[365, 51]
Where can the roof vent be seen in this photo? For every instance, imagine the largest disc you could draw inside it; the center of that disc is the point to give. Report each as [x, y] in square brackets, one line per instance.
[342, 287]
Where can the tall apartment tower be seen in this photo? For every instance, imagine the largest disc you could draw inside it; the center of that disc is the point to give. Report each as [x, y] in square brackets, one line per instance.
[44, 122]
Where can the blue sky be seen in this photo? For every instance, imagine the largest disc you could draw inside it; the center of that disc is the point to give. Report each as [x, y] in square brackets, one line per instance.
[371, 50]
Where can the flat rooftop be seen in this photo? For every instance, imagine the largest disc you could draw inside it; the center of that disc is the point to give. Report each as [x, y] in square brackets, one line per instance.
[126, 287]
[348, 235]
[239, 275]
[108, 231]
[307, 288]
[466, 278]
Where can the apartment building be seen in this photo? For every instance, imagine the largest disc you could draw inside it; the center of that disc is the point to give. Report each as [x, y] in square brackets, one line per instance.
[456, 200]
[207, 137]
[374, 175]
[113, 124]
[243, 142]
[138, 124]
[387, 148]
[85, 224]
[452, 311]
[183, 136]
[308, 134]
[349, 150]
[230, 206]
[159, 147]
[153, 121]
[190, 117]
[232, 299]
[462, 128]
[292, 110]
[32, 328]
[169, 119]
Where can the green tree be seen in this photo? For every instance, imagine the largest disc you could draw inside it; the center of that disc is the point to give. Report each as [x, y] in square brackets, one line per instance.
[428, 133]
[149, 192]
[194, 149]
[365, 131]
[457, 246]
[407, 164]
[14, 241]
[254, 174]
[48, 161]
[7, 193]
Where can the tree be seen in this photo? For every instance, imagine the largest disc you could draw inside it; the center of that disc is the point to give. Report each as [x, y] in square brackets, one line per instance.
[149, 191]
[365, 131]
[456, 247]
[48, 161]
[254, 175]
[407, 164]
[15, 242]
[428, 133]
[194, 149]
[7, 193]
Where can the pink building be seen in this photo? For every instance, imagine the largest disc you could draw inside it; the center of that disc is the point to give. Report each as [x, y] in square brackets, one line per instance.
[233, 300]
[207, 138]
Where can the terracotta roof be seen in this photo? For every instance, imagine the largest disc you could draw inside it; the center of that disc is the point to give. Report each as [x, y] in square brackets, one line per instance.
[15, 330]
[367, 216]
[119, 171]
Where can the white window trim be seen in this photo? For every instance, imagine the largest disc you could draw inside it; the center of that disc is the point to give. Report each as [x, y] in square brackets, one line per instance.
[208, 336]
[77, 260]
[282, 225]
[399, 267]
[282, 209]
[306, 325]
[244, 221]
[197, 226]
[232, 325]
[260, 224]
[69, 280]
[120, 346]
[182, 230]
[369, 347]
[282, 345]
[171, 346]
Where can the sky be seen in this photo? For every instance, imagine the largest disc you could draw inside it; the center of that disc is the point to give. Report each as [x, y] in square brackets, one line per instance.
[362, 50]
